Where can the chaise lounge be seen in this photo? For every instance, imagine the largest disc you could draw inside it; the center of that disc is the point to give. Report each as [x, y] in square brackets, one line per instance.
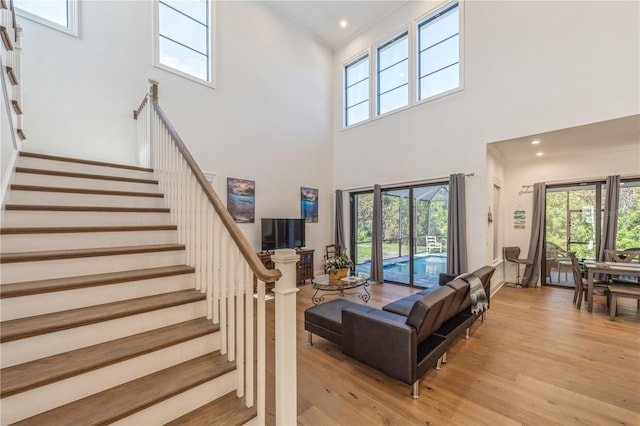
[409, 336]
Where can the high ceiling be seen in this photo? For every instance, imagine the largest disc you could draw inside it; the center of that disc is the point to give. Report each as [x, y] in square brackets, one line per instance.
[323, 17]
[593, 137]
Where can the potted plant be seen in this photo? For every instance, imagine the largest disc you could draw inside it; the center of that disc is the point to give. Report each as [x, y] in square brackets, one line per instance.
[338, 267]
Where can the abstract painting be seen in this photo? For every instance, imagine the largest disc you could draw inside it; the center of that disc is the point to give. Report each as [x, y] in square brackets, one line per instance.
[309, 204]
[241, 200]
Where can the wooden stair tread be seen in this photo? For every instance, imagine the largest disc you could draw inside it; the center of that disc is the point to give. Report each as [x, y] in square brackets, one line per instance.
[20, 378]
[121, 401]
[86, 208]
[69, 283]
[83, 175]
[48, 323]
[79, 253]
[227, 410]
[39, 188]
[80, 161]
[72, 229]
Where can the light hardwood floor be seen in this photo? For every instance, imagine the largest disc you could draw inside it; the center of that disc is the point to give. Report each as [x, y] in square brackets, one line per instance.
[536, 360]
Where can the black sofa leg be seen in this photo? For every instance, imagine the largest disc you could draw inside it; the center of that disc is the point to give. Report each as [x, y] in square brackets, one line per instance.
[309, 338]
[415, 390]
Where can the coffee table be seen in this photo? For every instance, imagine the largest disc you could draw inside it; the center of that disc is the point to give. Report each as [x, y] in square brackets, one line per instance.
[341, 286]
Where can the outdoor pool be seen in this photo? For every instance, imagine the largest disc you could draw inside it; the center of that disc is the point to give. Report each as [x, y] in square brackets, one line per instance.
[426, 270]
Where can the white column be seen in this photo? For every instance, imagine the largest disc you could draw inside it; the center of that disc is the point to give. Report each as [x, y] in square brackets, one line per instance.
[286, 375]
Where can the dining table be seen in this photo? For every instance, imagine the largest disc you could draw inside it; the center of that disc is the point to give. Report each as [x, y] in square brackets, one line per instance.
[609, 268]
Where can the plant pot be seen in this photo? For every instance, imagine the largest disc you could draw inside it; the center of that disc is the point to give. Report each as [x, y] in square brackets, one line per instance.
[340, 273]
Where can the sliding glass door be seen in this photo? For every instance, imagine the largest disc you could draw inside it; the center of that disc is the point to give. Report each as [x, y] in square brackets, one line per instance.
[571, 225]
[414, 228]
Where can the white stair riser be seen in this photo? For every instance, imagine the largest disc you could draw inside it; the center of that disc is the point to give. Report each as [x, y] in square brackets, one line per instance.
[73, 182]
[22, 218]
[21, 406]
[65, 166]
[46, 269]
[182, 403]
[32, 348]
[19, 243]
[71, 199]
[38, 304]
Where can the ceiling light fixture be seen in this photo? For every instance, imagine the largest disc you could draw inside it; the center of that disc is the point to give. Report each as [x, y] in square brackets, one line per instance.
[536, 142]
[539, 154]
[343, 23]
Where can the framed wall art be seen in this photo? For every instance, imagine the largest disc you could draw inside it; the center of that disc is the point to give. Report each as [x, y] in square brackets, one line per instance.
[241, 200]
[309, 204]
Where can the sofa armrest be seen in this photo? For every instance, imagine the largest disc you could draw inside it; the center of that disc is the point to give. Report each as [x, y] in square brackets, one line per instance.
[380, 342]
[445, 277]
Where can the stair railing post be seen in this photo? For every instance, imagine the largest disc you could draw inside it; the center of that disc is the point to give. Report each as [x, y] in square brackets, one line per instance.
[285, 330]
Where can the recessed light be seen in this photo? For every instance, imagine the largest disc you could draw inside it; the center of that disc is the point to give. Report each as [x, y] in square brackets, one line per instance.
[539, 154]
[536, 142]
[343, 23]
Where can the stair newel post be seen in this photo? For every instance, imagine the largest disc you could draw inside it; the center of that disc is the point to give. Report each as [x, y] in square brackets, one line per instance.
[285, 330]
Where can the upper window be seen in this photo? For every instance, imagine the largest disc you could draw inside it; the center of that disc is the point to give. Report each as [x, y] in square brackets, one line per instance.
[184, 37]
[57, 14]
[356, 91]
[393, 69]
[439, 53]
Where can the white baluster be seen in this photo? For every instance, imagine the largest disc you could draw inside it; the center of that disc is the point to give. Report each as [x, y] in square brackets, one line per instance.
[248, 279]
[261, 349]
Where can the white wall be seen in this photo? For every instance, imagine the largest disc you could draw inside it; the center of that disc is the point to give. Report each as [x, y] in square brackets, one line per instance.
[529, 66]
[268, 120]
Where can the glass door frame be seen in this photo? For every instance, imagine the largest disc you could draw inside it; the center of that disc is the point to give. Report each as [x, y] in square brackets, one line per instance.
[353, 243]
[598, 217]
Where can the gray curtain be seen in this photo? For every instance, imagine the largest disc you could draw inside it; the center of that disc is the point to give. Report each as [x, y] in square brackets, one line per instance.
[377, 274]
[536, 243]
[457, 235]
[610, 223]
[339, 237]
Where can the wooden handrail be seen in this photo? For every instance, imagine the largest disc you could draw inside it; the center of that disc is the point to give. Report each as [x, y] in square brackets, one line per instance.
[137, 112]
[258, 268]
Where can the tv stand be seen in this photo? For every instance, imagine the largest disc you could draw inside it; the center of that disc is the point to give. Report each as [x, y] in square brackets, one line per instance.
[304, 267]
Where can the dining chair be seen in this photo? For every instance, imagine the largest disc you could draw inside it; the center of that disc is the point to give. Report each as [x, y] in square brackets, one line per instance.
[580, 291]
[623, 256]
[331, 251]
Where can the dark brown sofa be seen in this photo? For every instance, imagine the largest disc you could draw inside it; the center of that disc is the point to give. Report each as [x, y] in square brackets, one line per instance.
[407, 337]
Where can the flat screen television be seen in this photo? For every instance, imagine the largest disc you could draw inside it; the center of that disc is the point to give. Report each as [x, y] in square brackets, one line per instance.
[282, 233]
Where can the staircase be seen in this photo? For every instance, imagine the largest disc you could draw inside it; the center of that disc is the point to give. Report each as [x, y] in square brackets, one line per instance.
[100, 319]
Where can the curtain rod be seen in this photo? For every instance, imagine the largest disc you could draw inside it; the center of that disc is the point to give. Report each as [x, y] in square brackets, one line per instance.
[410, 182]
[581, 180]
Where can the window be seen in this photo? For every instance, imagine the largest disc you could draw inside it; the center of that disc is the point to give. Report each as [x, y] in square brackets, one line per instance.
[57, 14]
[628, 232]
[403, 80]
[184, 37]
[439, 53]
[393, 70]
[356, 91]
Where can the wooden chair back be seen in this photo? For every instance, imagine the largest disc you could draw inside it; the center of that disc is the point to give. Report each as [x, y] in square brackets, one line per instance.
[331, 251]
[622, 256]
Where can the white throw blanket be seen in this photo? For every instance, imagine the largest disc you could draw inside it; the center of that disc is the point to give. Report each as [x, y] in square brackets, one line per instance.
[478, 296]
